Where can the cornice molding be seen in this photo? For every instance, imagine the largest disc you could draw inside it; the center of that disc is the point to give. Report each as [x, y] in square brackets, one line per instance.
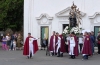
[44, 19]
[95, 14]
[59, 14]
[44, 15]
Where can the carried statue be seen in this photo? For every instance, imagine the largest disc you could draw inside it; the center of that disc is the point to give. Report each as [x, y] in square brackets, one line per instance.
[74, 18]
[73, 21]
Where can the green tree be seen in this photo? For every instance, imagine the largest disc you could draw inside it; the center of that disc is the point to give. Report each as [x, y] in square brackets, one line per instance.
[11, 14]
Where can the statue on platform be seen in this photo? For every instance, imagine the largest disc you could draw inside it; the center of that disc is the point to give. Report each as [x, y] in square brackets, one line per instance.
[74, 18]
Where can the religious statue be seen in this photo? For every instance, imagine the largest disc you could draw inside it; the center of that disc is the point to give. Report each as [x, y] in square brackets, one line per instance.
[74, 18]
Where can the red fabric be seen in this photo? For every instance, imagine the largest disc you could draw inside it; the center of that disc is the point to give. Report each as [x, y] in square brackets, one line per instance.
[98, 38]
[76, 46]
[98, 42]
[26, 46]
[76, 52]
[62, 49]
[35, 46]
[51, 43]
[68, 45]
[87, 46]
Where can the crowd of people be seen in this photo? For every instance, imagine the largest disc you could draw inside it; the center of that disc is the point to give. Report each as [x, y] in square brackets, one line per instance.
[74, 45]
[83, 44]
[58, 45]
[12, 42]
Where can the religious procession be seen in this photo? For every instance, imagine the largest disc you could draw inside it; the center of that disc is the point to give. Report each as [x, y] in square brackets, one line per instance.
[73, 45]
[58, 45]
[49, 32]
[72, 41]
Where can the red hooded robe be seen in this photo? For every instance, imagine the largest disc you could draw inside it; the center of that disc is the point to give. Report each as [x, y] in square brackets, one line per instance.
[51, 43]
[62, 48]
[87, 46]
[26, 46]
[76, 52]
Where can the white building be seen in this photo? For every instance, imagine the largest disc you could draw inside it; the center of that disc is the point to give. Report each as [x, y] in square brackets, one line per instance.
[45, 16]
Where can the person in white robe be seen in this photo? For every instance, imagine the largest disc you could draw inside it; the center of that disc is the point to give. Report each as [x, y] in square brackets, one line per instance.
[31, 47]
[58, 45]
[72, 45]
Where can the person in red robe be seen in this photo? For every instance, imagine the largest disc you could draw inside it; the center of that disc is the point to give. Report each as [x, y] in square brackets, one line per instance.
[73, 46]
[76, 52]
[52, 45]
[60, 45]
[30, 46]
[86, 51]
[63, 45]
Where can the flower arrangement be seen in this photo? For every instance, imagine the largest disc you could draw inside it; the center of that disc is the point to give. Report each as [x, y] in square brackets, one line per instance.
[76, 30]
[68, 30]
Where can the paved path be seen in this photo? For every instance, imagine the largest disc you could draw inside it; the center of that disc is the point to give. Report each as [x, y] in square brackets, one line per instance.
[16, 58]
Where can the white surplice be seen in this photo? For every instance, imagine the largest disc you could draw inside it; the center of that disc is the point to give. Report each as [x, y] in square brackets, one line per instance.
[31, 46]
[58, 43]
[72, 45]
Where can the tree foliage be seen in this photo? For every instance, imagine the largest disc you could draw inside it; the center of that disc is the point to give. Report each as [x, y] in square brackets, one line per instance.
[11, 14]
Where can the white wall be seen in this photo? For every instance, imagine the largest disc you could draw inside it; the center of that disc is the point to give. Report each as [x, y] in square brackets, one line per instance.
[35, 8]
[52, 7]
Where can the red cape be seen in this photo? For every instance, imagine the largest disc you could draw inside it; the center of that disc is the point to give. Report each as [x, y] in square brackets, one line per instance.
[26, 46]
[76, 52]
[76, 46]
[51, 43]
[62, 48]
[87, 46]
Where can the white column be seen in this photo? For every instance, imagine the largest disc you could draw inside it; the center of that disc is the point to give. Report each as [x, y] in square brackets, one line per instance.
[32, 16]
[26, 21]
[28, 14]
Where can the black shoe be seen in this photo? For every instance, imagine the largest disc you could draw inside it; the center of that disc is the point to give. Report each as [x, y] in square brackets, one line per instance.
[55, 53]
[61, 54]
[98, 52]
[28, 57]
[87, 57]
[41, 49]
[73, 57]
[58, 56]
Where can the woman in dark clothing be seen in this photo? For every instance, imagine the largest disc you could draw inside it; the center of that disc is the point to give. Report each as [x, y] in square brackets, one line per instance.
[44, 43]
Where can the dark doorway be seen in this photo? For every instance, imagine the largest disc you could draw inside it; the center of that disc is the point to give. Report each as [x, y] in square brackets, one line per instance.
[44, 36]
[96, 30]
[64, 25]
